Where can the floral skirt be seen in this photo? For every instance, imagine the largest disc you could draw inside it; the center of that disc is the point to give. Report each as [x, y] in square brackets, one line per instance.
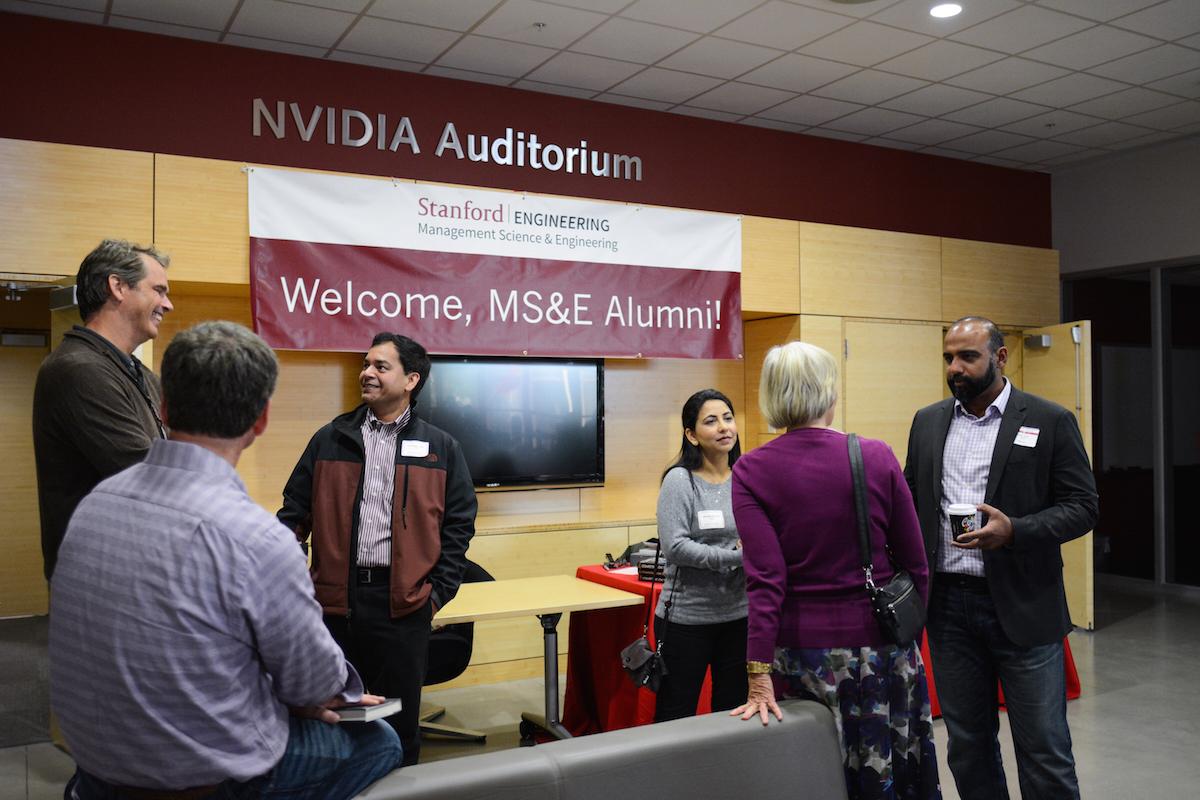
[880, 700]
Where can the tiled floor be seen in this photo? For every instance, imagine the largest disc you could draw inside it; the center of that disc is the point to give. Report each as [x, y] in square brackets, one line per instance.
[1136, 728]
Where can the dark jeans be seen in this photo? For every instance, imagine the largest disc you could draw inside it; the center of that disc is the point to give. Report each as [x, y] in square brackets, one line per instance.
[321, 762]
[688, 652]
[970, 652]
[390, 656]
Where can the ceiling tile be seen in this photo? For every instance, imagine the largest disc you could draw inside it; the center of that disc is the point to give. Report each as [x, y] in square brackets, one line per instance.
[865, 44]
[986, 142]
[869, 87]
[740, 98]
[1104, 135]
[996, 161]
[1072, 158]
[796, 73]
[1091, 47]
[460, 15]
[551, 88]
[856, 8]
[1007, 76]
[517, 21]
[636, 102]
[913, 15]
[468, 75]
[1151, 65]
[1174, 19]
[993, 113]
[935, 100]
[1191, 41]
[940, 60]
[603, 6]
[719, 57]
[1174, 117]
[1039, 151]
[1026, 27]
[377, 61]
[706, 113]
[702, 16]
[1052, 123]
[585, 72]
[274, 45]
[947, 152]
[390, 39]
[271, 19]
[89, 11]
[164, 28]
[631, 40]
[1068, 90]
[1099, 10]
[494, 56]
[882, 141]
[1123, 104]
[933, 131]
[826, 133]
[809, 110]
[1186, 84]
[212, 15]
[666, 85]
[783, 25]
[352, 6]
[875, 121]
[774, 124]
[1150, 138]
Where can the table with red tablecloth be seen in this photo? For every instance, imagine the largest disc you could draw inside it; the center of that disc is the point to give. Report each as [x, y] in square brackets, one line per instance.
[600, 697]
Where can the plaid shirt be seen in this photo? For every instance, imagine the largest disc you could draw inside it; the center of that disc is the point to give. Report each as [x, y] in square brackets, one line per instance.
[966, 461]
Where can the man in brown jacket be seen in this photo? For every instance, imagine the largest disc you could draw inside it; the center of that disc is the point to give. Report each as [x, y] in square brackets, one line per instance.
[390, 506]
[95, 406]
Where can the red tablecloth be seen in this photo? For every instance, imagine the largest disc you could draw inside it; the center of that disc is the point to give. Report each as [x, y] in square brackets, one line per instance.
[599, 697]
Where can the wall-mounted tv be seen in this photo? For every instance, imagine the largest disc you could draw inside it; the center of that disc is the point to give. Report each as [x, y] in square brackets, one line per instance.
[521, 421]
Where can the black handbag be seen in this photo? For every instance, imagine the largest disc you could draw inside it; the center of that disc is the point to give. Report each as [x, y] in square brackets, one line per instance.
[897, 605]
[645, 666]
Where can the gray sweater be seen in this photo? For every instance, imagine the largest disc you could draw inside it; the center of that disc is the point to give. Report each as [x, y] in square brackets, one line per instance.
[698, 536]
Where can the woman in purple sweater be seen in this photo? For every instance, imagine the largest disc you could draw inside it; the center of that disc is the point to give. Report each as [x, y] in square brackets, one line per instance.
[810, 620]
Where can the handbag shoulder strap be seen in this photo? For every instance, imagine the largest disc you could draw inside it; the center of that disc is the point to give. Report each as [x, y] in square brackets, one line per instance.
[858, 478]
[650, 605]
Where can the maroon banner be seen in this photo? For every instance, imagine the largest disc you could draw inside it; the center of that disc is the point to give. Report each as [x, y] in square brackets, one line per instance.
[310, 296]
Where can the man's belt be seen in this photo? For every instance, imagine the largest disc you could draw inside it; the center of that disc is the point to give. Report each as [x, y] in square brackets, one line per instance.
[370, 575]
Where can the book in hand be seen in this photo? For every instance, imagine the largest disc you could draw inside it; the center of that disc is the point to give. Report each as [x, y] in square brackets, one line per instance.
[364, 713]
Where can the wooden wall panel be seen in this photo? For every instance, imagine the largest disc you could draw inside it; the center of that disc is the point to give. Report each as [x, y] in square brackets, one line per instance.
[760, 336]
[1010, 285]
[58, 201]
[892, 369]
[201, 218]
[22, 586]
[855, 272]
[828, 333]
[770, 265]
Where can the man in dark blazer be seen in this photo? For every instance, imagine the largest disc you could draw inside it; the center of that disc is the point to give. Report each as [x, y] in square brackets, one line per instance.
[997, 606]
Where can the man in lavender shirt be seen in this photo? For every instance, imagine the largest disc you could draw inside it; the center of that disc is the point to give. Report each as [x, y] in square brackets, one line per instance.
[187, 654]
[997, 607]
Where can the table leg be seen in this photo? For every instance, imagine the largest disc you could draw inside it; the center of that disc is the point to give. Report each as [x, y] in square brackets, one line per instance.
[549, 723]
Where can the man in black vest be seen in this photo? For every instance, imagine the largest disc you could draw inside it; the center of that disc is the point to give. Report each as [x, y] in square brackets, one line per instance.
[997, 606]
[95, 406]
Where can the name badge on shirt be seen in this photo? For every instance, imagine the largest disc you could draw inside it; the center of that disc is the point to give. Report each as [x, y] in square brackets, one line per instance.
[711, 520]
[1027, 437]
[414, 448]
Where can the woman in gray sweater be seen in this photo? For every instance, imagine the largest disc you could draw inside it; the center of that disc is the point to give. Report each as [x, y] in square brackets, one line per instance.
[701, 614]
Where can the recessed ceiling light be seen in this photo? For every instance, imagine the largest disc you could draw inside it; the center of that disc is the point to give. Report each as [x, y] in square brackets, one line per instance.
[945, 10]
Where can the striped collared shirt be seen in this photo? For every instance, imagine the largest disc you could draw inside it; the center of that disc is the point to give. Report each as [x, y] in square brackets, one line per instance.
[378, 491]
[966, 461]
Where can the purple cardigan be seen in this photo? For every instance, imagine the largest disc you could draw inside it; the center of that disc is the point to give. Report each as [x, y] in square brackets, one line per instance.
[794, 507]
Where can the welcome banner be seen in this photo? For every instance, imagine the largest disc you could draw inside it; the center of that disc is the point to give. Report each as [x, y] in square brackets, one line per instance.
[336, 259]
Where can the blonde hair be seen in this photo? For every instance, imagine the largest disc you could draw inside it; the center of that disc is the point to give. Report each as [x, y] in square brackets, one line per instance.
[798, 385]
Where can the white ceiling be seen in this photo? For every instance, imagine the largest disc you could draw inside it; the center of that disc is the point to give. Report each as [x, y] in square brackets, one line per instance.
[1031, 84]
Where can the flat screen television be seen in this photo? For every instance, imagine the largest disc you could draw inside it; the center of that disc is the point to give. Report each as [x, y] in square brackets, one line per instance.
[521, 421]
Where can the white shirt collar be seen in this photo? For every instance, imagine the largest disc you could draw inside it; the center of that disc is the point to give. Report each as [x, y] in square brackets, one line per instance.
[1000, 403]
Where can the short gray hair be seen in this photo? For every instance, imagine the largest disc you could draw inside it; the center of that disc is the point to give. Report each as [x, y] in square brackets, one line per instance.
[217, 378]
[798, 385]
[111, 257]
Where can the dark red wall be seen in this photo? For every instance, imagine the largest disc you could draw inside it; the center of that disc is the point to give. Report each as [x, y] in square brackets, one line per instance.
[106, 87]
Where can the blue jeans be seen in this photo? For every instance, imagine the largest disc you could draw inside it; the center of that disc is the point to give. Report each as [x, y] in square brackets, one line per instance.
[970, 652]
[321, 762]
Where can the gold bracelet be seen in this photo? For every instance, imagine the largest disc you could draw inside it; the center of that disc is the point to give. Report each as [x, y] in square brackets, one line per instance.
[758, 668]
